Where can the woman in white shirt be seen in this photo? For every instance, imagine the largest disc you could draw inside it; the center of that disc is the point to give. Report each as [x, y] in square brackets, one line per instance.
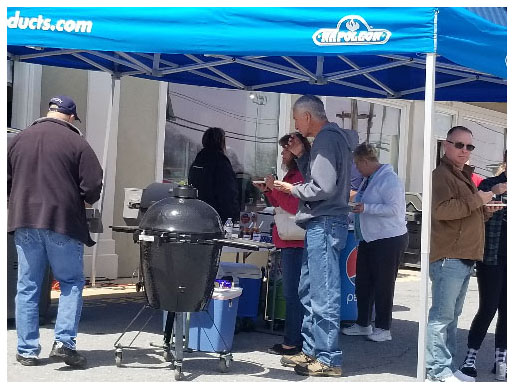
[381, 230]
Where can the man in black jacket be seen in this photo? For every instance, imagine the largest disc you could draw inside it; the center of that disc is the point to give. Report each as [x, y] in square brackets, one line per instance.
[51, 173]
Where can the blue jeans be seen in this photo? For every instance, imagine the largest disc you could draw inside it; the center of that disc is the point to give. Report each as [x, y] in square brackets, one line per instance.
[36, 249]
[291, 267]
[450, 278]
[320, 288]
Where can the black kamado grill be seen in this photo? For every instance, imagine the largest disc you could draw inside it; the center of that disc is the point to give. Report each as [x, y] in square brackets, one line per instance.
[180, 239]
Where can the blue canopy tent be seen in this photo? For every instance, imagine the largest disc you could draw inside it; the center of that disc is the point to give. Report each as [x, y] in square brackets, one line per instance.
[409, 53]
[366, 52]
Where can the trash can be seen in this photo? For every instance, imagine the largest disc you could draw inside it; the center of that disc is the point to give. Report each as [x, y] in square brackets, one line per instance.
[212, 330]
[348, 262]
[280, 301]
[247, 277]
[276, 288]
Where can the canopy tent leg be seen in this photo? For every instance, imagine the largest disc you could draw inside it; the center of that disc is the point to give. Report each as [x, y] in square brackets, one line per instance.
[428, 157]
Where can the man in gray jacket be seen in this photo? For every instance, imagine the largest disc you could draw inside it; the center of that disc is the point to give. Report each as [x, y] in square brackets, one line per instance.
[323, 212]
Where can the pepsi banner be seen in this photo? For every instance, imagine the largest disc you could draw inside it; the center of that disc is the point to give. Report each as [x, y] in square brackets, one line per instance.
[348, 268]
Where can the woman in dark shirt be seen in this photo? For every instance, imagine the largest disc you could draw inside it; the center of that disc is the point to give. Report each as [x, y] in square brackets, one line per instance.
[492, 284]
[212, 174]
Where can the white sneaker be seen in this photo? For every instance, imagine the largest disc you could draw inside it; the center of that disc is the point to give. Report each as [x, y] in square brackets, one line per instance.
[380, 335]
[356, 329]
[450, 378]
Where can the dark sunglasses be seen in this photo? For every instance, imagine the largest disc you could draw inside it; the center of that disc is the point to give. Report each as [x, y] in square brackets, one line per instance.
[460, 145]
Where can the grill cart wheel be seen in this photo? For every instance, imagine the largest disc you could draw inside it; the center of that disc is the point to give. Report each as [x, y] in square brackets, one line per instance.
[224, 363]
[179, 376]
[118, 356]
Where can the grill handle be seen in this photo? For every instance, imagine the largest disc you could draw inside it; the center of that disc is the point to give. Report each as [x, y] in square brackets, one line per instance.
[126, 229]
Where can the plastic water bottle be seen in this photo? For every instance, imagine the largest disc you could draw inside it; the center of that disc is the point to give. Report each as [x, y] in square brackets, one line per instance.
[235, 231]
[229, 226]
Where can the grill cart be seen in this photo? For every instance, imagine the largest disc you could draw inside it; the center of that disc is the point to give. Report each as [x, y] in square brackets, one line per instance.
[180, 239]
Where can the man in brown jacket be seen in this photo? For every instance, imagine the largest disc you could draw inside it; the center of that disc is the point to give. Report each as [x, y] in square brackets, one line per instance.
[457, 241]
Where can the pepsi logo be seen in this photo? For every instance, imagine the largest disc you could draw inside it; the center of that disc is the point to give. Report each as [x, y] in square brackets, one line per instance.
[351, 265]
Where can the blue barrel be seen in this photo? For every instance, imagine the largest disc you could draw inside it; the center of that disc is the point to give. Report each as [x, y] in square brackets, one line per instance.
[348, 262]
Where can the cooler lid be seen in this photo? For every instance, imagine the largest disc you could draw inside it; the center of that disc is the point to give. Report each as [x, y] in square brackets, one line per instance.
[226, 293]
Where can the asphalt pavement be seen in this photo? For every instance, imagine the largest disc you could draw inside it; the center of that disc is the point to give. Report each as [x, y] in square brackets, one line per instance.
[108, 310]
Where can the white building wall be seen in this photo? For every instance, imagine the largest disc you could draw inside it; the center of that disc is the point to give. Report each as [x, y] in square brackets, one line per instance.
[102, 133]
[26, 94]
[138, 126]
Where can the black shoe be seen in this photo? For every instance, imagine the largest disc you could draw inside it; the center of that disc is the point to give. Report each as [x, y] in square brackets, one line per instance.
[470, 371]
[27, 361]
[68, 356]
[277, 349]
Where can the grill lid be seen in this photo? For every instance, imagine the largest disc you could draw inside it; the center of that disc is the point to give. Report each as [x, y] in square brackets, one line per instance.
[182, 213]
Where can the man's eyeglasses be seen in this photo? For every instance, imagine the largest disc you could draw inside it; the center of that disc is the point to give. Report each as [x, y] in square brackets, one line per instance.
[460, 145]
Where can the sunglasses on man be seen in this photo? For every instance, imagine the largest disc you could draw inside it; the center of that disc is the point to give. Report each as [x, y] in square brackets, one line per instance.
[460, 145]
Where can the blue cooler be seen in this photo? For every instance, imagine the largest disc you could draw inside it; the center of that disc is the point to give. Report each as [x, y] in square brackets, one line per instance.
[247, 277]
[212, 330]
[348, 262]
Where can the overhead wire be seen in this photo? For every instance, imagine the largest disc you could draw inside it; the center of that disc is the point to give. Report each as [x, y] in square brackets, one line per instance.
[226, 136]
[223, 111]
[226, 131]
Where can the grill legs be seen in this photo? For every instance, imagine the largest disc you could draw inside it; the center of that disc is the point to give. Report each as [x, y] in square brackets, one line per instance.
[175, 342]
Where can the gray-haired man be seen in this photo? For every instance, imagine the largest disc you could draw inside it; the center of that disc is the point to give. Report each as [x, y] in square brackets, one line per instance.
[323, 212]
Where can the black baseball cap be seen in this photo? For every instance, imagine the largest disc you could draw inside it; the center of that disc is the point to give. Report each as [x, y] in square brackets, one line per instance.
[65, 104]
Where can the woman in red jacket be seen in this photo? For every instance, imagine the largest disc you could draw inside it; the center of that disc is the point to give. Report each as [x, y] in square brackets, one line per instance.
[291, 251]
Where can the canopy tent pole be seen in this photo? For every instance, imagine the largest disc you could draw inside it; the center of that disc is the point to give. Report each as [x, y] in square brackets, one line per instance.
[96, 236]
[428, 154]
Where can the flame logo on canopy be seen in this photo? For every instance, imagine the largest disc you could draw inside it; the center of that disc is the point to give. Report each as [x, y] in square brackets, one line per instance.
[352, 25]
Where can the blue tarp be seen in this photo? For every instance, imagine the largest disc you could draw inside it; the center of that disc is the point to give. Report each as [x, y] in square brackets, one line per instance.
[367, 52]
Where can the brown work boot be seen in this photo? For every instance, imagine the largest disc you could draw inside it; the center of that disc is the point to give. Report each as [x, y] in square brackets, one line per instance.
[318, 369]
[297, 359]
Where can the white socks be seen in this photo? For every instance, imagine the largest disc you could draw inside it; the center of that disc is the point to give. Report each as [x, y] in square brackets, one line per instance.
[500, 355]
[470, 358]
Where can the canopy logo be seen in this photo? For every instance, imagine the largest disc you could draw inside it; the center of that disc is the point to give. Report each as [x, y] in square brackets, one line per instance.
[351, 30]
[42, 23]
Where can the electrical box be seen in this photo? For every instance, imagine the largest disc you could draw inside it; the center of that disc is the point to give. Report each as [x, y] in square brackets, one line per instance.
[132, 202]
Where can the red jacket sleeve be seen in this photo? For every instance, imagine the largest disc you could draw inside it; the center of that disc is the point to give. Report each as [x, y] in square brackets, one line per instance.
[283, 200]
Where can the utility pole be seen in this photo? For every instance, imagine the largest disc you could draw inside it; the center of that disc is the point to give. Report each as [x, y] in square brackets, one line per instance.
[354, 116]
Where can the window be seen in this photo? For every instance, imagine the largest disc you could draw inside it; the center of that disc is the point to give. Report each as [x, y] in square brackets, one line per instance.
[376, 123]
[442, 123]
[250, 124]
[489, 140]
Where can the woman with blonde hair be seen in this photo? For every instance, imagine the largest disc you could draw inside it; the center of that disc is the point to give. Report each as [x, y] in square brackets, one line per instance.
[381, 230]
